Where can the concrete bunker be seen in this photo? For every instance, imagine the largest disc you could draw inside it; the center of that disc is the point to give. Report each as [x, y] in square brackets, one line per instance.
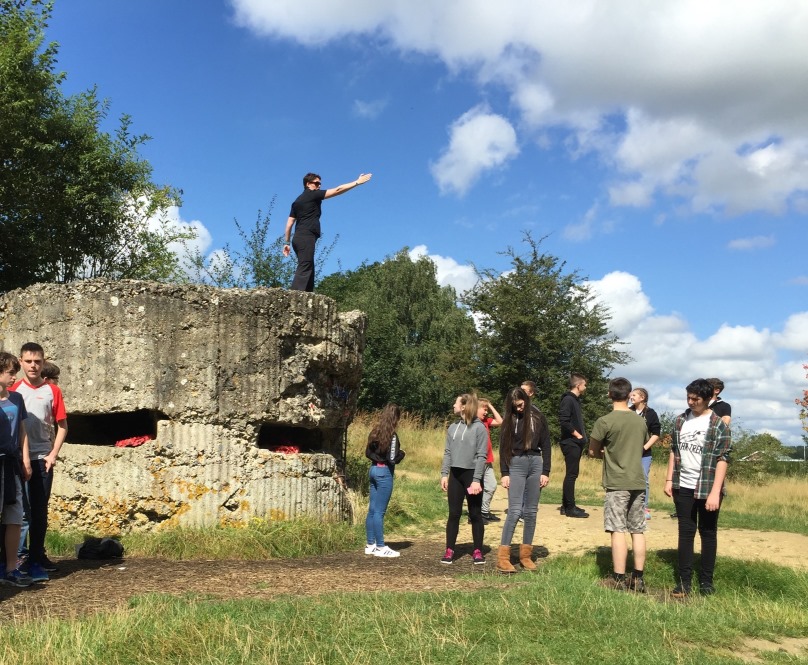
[223, 381]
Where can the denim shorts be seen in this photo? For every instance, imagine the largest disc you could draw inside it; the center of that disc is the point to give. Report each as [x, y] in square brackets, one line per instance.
[11, 514]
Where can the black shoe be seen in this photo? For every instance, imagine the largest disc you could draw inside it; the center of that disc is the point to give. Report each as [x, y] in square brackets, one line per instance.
[486, 518]
[706, 589]
[490, 517]
[636, 584]
[576, 512]
[681, 591]
[562, 510]
[674, 516]
[47, 565]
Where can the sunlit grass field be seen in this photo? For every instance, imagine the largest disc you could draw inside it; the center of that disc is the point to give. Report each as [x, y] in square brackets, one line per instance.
[559, 615]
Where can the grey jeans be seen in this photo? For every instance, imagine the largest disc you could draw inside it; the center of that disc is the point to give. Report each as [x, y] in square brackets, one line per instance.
[489, 487]
[523, 497]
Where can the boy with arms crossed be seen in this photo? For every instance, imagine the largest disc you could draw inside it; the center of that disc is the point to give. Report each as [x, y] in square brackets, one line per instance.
[13, 445]
[46, 413]
[617, 439]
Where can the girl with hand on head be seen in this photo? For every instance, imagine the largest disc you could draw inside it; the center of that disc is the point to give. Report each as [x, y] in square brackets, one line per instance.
[524, 460]
[384, 451]
[462, 474]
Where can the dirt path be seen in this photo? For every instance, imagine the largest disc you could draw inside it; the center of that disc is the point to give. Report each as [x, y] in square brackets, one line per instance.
[82, 587]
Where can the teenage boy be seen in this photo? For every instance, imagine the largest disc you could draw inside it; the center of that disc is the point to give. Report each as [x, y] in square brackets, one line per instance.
[695, 479]
[13, 450]
[717, 405]
[46, 414]
[489, 479]
[573, 440]
[617, 438]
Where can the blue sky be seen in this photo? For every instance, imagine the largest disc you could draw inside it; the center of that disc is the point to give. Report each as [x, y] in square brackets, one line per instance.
[663, 149]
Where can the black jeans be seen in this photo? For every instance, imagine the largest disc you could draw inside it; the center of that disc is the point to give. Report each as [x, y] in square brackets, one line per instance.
[459, 481]
[572, 451]
[39, 491]
[303, 244]
[693, 515]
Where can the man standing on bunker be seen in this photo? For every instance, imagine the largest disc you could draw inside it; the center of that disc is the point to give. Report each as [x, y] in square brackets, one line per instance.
[305, 216]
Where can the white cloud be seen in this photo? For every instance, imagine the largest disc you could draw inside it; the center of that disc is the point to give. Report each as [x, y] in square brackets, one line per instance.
[478, 141]
[801, 280]
[371, 109]
[795, 333]
[171, 216]
[686, 99]
[626, 289]
[754, 242]
[449, 272]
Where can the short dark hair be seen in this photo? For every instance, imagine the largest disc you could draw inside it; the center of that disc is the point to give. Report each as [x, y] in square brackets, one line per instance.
[700, 388]
[575, 379]
[50, 370]
[619, 389]
[32, 347]
[310, 177]
[9, 361]
[717, 384]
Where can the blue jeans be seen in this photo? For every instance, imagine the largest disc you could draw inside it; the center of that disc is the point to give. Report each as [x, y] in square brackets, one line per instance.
[523, 497]
[646, 467]
[381, 489]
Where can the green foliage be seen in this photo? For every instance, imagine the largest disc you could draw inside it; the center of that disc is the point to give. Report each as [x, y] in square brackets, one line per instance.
[538, 322]
[418, 343]
[75, 201]
[259, 264]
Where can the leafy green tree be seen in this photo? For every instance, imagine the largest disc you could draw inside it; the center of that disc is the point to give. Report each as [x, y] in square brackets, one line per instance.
[539, 322]
[419, 341]
[75, 201]
[259, 263]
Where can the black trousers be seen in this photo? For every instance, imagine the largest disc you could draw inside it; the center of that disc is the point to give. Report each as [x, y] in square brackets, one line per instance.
[572, 451]
[459, 481]
[303, 244]
[693, 515]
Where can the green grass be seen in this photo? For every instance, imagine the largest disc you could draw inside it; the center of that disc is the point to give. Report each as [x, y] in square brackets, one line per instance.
[559, 615]
[256, 540]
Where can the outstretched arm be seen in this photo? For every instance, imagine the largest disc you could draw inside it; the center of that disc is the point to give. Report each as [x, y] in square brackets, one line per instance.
[336, 191]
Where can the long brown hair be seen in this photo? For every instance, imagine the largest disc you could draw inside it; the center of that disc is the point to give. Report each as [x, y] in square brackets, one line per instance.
[535, 424]
[383, 430]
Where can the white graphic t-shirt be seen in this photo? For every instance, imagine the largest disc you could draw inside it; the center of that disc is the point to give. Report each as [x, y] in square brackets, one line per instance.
[692, 438]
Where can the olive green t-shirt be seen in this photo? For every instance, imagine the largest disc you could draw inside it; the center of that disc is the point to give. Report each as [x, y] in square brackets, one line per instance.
[623, 434]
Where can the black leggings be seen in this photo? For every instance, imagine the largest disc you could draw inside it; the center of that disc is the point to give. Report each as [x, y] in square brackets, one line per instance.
[693, 515]
[459, 481]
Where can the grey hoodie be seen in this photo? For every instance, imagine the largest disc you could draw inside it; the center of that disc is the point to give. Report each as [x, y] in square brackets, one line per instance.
[466, 448]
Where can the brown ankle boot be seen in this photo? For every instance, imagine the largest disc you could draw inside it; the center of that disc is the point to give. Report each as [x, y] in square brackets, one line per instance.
[525, 552]
[504, 560]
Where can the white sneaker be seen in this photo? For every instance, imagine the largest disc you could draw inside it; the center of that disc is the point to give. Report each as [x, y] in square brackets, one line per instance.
[370, 549]
[386, 552]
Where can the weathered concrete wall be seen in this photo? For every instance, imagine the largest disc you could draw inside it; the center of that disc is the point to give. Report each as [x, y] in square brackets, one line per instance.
[220, 375]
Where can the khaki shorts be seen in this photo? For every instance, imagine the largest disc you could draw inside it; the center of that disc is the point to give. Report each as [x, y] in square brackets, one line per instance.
[11, 514]
[624, 510]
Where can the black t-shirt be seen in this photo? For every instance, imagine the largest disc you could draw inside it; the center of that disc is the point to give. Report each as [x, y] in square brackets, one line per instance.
[721, 408]
[306, 210]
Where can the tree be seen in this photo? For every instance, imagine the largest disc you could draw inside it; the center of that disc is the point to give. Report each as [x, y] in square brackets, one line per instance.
[540, 323]
[803, 404]
[418, 341]
[75, 201]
